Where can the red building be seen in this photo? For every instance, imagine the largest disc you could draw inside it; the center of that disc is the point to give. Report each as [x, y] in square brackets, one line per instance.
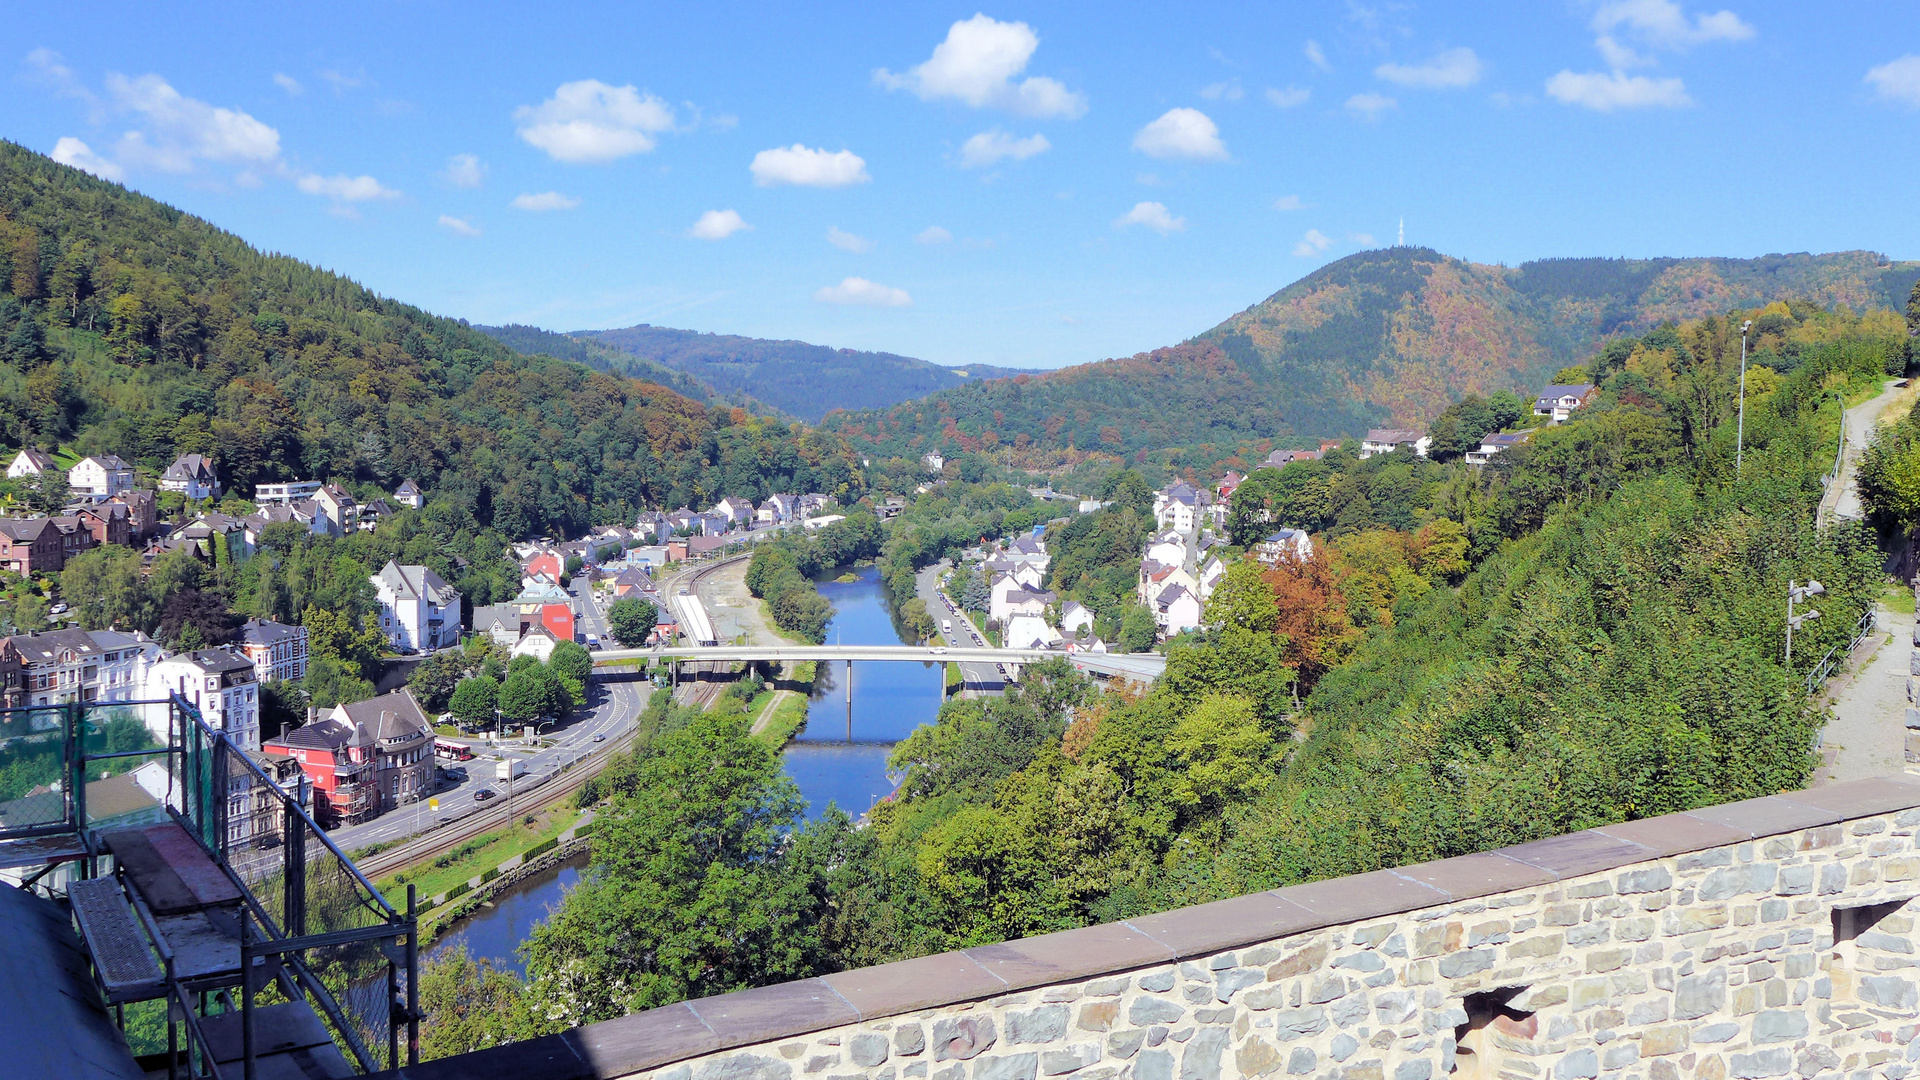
[547, 563]
[558, 619]
[365, 758]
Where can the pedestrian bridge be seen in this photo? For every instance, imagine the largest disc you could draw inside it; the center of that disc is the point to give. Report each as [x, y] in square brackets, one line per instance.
[1138, 666]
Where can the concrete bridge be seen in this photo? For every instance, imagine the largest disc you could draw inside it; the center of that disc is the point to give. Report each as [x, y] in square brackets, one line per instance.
[1142, 667]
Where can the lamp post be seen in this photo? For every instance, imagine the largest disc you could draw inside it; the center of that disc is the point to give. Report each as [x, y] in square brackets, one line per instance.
[1740, 430]
[1799, 594]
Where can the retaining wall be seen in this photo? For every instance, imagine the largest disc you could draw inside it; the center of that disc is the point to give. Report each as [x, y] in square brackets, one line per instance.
[1773, 937]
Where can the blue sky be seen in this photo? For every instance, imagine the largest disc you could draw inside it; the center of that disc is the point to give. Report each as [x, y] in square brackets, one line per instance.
[1032, 185]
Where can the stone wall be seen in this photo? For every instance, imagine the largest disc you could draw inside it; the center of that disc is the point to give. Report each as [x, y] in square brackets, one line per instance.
[1761, 939]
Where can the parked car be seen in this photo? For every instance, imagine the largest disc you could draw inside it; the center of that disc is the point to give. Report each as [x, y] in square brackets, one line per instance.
[484, 794]
[58, 609]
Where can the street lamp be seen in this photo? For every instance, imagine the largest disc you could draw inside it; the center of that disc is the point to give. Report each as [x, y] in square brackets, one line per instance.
[1799, 594]
[1740, 431]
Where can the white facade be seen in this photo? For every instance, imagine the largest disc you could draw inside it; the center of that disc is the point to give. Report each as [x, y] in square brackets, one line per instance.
[29, 462]
[287, 492]
[63, 666]
[408, 494]
[219, 682]
[1075, 617]
[191, 475]
[100, 478]
[1176, 610]
[418, 610]
[1169, 548]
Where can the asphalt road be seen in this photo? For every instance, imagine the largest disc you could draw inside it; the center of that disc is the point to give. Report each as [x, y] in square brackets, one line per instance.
[611, 710]
[979, 677]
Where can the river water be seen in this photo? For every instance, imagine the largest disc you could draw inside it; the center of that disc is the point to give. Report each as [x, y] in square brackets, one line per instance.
[827, 760]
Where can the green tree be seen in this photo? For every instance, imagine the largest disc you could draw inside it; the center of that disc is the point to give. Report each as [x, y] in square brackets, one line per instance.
[469, 1005]
[1137, 629]
[435, 678]
[631, 620]
[104, 588]
[572, 663]
[525, 695]
[694, 888]
[473, 701]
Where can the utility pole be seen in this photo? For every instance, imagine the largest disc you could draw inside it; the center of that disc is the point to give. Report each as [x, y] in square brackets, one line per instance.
[1800, 594]
[1740, 432]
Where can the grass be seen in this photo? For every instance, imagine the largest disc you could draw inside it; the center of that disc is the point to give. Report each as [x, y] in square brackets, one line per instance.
[954, 678]
[787, 719]
[476, 856]
[1898, 598]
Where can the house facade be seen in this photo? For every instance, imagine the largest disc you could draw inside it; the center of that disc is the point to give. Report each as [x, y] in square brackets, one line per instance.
[62, 666]
[419, 612]
[220, 682]
[29, 462]
[409, 495]
[278, 651]
[1387, 440]
[100, 478]
[364, 758]
[191, 475]
[31, 545]
[1557, 403]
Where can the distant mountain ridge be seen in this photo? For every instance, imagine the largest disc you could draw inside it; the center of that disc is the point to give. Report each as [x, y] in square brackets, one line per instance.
[797, 378]
[1385, 337]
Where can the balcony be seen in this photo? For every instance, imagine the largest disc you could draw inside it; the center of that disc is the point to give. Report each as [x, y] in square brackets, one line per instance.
[158, 942]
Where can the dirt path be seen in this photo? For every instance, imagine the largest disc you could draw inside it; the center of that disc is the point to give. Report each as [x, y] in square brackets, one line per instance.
[766, 715]
[1841, 500]
[1866, 736]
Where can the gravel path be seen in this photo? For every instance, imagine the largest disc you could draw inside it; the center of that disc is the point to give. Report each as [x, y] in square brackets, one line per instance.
[1867, 735]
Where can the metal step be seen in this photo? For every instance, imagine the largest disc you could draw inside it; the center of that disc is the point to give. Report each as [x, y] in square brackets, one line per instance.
[126, 966]
[289, 1043]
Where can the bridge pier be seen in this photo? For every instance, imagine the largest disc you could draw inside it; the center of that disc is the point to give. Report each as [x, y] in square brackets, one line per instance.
[849, 701]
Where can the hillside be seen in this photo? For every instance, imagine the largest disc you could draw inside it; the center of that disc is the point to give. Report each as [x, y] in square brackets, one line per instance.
[585, 350]
[794, 377]
[127, 326]
[1385, 337]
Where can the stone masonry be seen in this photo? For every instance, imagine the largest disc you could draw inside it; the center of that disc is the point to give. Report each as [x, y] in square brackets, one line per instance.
[1773, 938]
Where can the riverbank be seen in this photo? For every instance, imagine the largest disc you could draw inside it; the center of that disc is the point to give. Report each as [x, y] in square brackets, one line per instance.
[485, 857]
[780, 713]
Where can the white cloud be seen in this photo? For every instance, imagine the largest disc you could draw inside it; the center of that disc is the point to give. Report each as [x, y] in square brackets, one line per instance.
[1660, 24]
[343, 82]
[807, 167]
[288, 83]
[1311, 244]
[1371, 105]
[1449, 70]
[1288, 98]
[847, 241]
[933, 234]
[347, 189]
[863, 293]
[1898, 80]
[1289, 202]
[977, 64]
[1181, 133]
[465, 170]
[1317, 56]
[184, 129]
[1223, 91]
[590, 122]
[546, 200]
[1614, 90]
[49, 69]
[1361, 238]
[71, 151]
[458, 226]
[1154, 216]
[989, 147]
[718, 225]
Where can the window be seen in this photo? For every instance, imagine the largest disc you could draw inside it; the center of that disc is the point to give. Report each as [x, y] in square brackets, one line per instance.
[1860, 938]
[1482, 1044]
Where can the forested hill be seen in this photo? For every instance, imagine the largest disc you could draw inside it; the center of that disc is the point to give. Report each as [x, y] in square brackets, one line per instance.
[792, 376]
[1380, 338]
[537, 342]
[128, 326]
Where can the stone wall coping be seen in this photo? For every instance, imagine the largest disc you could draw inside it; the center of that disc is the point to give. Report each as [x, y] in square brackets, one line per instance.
[657, 1037]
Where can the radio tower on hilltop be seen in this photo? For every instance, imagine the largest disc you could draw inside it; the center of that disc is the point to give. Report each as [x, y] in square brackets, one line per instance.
[1403, 233]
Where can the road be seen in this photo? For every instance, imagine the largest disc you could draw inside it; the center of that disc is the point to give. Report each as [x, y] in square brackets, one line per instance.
[977, 676]
[611, 710]
[1147, 666]
[1842, 500]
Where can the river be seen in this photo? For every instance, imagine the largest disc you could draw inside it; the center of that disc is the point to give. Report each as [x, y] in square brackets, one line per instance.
[828, 762]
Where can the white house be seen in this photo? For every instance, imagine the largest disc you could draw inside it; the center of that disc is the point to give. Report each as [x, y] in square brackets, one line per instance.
[1018, 601]
[418, 610]
[1211, 575]
[1493, 445]
[191, 475]
[290, 491]
[100, 478]
[408, 494]
[1286, 543]
[1179, 506]
[935, 462]
[1176, 610]
[1169, 547]
[1075, 617]
[341, 508]
[220, 682]
[1557, 403]
[1387, 440]
[61, 666]
[736, 510]
[1029, 632]
[29, 462]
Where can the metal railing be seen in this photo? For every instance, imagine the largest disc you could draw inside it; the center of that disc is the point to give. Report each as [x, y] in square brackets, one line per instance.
[1831, 661]
[312, 926]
